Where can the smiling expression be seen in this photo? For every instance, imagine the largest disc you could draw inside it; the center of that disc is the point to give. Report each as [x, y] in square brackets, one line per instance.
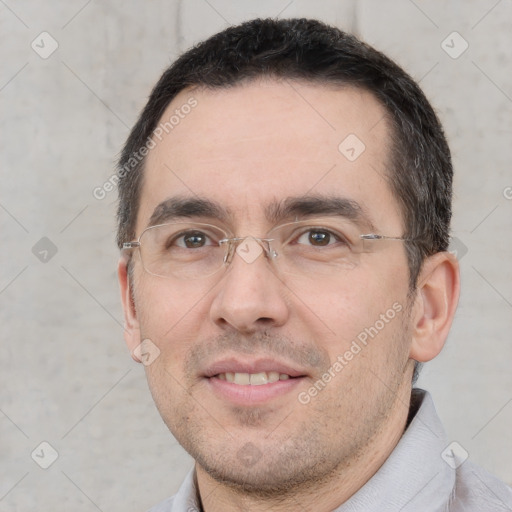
[238, 347]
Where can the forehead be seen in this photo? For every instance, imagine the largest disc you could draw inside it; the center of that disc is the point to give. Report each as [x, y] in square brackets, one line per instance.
[253, 144]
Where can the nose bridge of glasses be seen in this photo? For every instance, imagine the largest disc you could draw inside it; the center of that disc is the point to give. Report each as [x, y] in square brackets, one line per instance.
[248, 248]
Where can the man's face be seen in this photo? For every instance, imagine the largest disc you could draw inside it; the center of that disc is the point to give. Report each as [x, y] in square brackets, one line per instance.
[249, 149]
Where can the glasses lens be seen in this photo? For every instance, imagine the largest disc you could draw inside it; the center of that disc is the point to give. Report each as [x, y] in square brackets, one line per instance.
[316, 247]
[182, 250]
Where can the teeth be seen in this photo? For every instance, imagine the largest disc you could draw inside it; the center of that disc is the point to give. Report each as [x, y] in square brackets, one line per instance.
[273, 376]
[257, 379]
[253, 379]
[242, 378]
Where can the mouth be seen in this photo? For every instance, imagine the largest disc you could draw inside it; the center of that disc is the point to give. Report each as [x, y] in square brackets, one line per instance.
[246, 383]
[253, 379]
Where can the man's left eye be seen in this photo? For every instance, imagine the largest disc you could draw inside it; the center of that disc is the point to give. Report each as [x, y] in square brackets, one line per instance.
[318, 238]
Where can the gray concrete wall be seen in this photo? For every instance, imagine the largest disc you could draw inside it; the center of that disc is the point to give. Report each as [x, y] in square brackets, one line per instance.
[66, 377]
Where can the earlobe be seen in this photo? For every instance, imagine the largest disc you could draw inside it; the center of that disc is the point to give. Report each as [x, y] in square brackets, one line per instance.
[436, 300]
[131, 323]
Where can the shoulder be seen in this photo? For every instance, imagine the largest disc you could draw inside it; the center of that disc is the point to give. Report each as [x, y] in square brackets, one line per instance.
[164, 506]
[476, 489]
[184, 501]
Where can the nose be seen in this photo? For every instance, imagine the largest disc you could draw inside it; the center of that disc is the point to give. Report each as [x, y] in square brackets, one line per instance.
[250, 295]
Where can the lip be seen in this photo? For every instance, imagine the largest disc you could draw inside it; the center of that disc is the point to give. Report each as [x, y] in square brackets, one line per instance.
[250, 395]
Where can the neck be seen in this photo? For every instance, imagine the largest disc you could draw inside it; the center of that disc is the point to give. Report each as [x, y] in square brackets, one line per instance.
[320, 496]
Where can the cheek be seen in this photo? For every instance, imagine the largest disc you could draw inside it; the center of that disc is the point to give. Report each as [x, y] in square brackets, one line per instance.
[171, 315]
[361, 317]
[345, 306]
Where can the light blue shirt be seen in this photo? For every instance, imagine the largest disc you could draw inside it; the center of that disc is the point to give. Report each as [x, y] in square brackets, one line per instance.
[424, 473]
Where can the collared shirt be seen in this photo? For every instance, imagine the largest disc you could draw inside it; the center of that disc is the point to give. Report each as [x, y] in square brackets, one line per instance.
[424, 473]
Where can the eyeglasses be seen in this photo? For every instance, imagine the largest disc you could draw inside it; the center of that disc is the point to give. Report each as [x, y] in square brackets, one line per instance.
[194, 250]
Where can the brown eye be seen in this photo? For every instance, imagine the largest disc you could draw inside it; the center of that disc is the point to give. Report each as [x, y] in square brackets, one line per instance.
[192, 240]
[317, 238]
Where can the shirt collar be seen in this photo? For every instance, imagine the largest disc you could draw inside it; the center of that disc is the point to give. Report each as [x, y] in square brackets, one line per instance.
[187, 498]
[415, 476]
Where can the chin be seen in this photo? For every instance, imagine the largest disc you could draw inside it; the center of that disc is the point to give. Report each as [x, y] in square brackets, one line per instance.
[259, 481]
[265, 471]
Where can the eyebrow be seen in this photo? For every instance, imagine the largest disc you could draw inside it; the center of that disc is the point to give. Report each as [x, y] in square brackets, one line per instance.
[292, 208]
[178, 208]
[297, 208]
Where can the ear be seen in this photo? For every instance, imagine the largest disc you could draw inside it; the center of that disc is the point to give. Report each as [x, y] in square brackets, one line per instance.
[131, 323]
[436, 300]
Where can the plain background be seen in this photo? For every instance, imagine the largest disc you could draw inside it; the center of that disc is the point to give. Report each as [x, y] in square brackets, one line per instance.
[66, 377]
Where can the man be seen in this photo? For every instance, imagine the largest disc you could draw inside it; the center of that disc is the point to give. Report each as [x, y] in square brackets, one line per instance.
[285, 202]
